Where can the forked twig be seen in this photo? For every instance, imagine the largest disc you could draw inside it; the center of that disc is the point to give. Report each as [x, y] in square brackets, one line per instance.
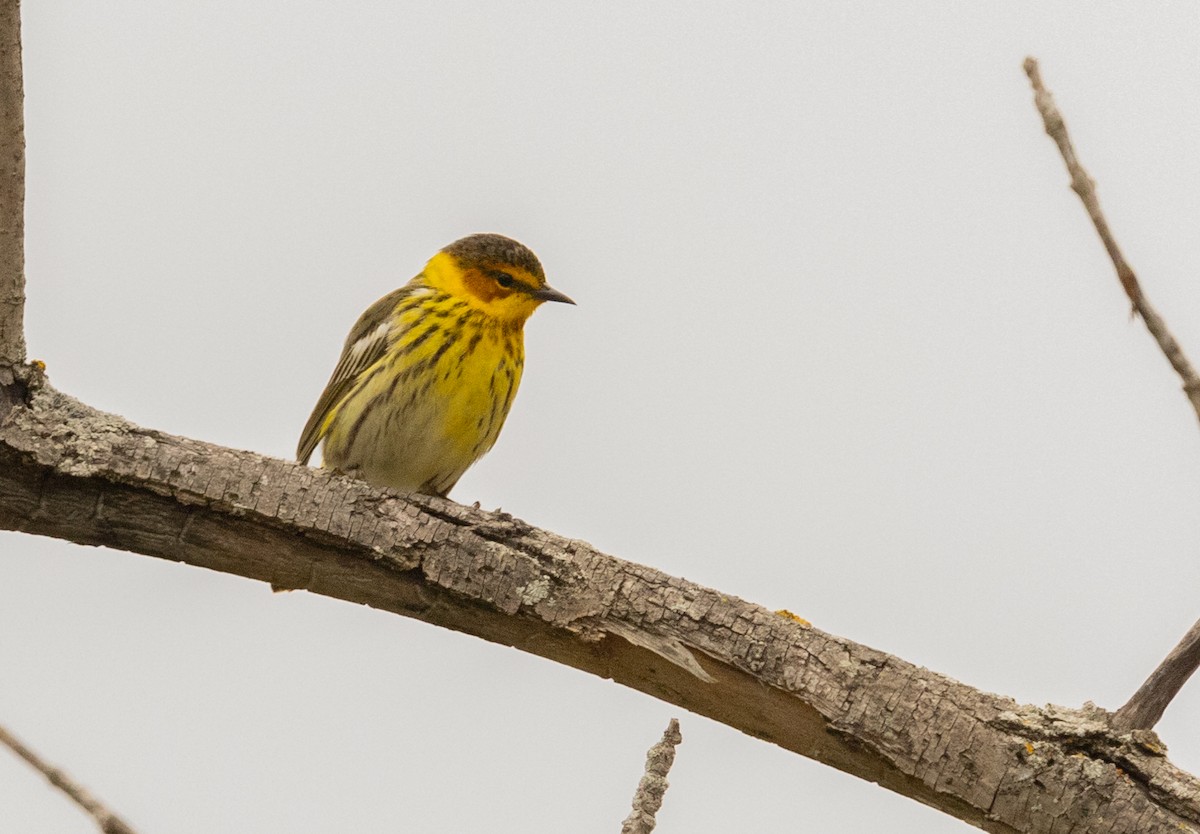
[1147, 704]
[109, 822]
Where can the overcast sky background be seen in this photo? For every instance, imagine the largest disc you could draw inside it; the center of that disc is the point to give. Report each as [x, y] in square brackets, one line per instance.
[845, 343]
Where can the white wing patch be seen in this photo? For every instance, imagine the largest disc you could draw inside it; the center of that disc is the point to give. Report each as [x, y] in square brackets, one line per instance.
[368, 342]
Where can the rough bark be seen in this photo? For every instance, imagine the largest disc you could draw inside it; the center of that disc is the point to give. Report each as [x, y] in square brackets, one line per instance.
[648, 799]
[71, 472]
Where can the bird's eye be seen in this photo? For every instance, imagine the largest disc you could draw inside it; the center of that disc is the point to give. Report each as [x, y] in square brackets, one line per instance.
[504, 279]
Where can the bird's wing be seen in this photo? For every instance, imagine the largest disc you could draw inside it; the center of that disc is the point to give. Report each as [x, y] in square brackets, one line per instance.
[367, 342]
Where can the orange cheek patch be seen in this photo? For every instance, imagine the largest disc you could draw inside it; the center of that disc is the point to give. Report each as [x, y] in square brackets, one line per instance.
[482, 286]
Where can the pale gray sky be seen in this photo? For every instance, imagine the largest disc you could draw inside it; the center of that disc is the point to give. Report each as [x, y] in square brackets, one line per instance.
[845, 344]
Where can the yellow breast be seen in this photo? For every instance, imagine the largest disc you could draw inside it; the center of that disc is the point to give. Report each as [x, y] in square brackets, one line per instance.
[435, 402]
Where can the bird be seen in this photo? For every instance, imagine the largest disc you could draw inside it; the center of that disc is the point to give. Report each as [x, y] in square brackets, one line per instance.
[428, 373]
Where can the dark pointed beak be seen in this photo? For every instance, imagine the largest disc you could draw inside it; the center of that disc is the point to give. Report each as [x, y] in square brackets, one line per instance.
[550, 294]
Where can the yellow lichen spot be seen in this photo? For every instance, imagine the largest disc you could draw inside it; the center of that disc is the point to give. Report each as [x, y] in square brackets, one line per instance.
[1149, 741]
[795, 618]
[39, 365]
[1029, 747]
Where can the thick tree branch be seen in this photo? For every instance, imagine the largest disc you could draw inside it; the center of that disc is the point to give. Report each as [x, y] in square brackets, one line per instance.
[71, 472]
[12, 194]
[653, 785]
[1146, 706]
[109, 822]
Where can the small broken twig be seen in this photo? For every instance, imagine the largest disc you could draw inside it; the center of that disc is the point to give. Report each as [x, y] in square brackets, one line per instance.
[109, 822]
[649, 796]
[1083, 185]
[1147, 704]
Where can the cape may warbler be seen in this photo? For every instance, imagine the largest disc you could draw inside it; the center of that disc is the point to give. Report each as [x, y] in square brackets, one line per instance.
[429, 371]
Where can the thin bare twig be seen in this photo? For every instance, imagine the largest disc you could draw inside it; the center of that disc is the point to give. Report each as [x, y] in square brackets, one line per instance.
[1150, 701]
[109, 822]
[650, 790]
[1147, 704]
[1083, 185]
[12, 190]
